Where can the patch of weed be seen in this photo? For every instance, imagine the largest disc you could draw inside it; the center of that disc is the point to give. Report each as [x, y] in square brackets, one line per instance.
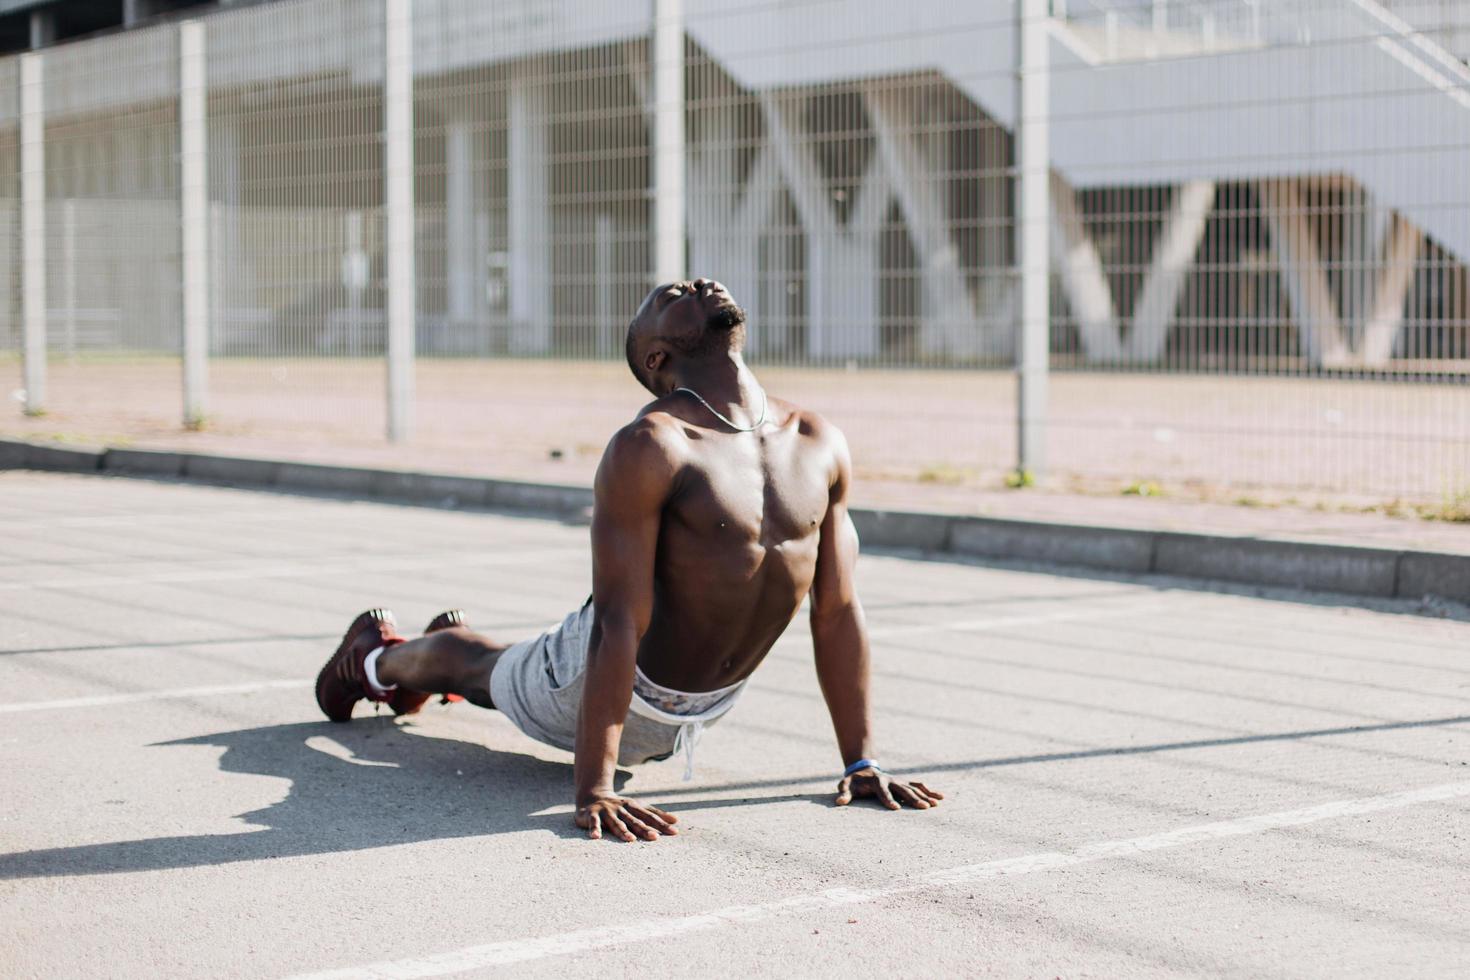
[942, 473]
[1143, 488]
[1020, 479]
[1454, 508]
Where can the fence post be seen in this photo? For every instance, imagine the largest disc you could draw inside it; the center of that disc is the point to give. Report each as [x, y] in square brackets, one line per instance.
[194, 218]
[668, 142]
[33, 229]
[399, 212]
[528, 212]
[1033, 217]
[69, 276]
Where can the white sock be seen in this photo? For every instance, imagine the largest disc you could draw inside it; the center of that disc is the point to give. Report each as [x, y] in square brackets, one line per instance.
[370, 672]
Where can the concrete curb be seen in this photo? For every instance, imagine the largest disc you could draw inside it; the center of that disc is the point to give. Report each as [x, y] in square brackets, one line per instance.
[1363, 571]
[24, 455]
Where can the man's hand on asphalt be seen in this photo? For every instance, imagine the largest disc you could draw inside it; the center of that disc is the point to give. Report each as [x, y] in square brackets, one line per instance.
[624, 819]
[890, 792]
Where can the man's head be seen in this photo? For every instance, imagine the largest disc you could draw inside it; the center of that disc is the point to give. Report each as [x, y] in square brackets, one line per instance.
[680, 325]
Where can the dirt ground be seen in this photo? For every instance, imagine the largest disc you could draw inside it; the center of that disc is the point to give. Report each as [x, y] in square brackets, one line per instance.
[919, 438]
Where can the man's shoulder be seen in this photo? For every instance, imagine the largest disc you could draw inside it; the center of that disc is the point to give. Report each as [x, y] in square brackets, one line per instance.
[820, 441]
[809, 424]
[651, 438]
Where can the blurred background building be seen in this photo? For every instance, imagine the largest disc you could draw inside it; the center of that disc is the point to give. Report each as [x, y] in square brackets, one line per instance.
[1259, 216]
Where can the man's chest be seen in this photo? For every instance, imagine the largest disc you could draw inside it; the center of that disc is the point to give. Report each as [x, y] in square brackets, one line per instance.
[765, 499]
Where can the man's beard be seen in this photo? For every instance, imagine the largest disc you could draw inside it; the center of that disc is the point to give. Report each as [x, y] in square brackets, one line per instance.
[723, 332]
[726, 318]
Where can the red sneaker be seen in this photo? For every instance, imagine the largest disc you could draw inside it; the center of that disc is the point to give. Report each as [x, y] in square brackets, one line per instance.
[341, 684]
[406, 702]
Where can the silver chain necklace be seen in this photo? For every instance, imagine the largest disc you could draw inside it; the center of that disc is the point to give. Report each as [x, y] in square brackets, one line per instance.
[765, 403]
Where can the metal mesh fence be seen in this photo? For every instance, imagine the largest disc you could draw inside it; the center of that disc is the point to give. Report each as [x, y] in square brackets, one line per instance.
[296, 218]
[1271, 194]
[1259, 228]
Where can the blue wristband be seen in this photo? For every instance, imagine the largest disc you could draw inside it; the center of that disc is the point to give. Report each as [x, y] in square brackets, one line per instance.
[861, 764]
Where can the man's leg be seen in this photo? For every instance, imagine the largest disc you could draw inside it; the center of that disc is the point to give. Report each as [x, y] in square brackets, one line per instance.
[373, 662]
[448, 661]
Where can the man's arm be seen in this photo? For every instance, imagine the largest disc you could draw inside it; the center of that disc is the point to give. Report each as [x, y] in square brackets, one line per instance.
[633, 483]
[840, 638]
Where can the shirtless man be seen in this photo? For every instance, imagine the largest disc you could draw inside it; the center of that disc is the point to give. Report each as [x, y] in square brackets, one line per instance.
[717, 512]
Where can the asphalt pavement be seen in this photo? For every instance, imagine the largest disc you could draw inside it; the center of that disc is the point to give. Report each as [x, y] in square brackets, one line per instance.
[1143, 777]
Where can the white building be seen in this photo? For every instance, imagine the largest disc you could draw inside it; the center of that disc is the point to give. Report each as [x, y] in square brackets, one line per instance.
[1236, 183]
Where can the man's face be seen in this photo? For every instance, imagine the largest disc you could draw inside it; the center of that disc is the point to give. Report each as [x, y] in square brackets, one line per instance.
[694, 315]
[692, 319]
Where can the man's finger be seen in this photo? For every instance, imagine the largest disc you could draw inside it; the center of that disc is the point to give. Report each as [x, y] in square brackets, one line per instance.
[907, 794]
[654, 819]
[844, 791]
[617, 826]
[594, 828]
[638, 827]
[918, 791]
[663, 815]
[934, 793]
[886, 796]
[911, 796]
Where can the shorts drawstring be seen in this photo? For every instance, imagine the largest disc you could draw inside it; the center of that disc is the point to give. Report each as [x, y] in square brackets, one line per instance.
[663, 706]
[688, 737]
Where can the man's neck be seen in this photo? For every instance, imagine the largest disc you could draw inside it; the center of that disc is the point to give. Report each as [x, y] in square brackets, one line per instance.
[724, 382]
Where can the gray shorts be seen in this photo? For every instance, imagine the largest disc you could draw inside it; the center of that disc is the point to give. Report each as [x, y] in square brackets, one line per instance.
[537, 684]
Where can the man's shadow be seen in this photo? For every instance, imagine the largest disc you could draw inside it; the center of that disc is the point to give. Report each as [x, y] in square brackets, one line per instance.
[362, 785]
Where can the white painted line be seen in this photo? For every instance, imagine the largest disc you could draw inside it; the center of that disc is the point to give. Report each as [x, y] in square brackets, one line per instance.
[968, 625]
[104, 700]
[1003, 622]
[581, 940]
[330, 565]
[171, 519]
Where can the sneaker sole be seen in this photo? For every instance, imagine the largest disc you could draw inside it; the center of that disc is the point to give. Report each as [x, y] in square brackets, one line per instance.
[363, 621]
